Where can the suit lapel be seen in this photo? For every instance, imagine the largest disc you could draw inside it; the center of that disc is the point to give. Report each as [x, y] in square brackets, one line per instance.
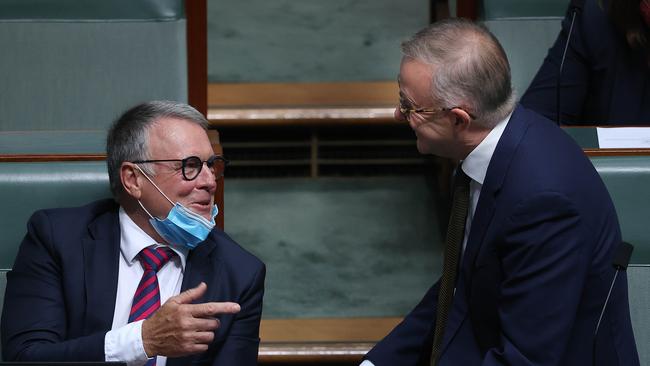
[496, 173]
[485, 208]
[200, 267]
[101, 251]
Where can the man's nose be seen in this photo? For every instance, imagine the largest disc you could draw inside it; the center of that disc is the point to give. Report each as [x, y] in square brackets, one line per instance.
[206, 176]
[399, 115]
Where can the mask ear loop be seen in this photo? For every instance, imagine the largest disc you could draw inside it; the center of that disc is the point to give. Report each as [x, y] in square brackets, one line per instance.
[145, 210]
[154, 184]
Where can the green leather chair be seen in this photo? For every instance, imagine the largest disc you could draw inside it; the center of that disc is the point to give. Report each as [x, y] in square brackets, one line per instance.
[627, 179]
[504, 9]
[638, 277]
[27, 187]
[69, 67]
[526, 30]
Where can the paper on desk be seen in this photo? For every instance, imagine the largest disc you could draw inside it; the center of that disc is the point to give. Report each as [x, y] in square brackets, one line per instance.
[623, 137]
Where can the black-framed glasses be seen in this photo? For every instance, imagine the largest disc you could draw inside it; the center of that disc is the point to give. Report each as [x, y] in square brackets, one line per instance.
[191, 166]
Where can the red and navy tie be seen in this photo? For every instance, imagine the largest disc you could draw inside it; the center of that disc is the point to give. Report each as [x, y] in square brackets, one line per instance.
[147, 297]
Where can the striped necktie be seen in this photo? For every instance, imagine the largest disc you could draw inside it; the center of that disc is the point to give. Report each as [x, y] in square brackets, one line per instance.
[147, 296]
[453, 243]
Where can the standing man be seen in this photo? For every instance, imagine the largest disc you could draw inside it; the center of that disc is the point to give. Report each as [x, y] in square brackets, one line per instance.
[532, 233]
[88, 282]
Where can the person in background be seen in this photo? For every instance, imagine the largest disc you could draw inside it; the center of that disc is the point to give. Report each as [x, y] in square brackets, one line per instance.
[532, 232]
[605, 78]
[144, 278]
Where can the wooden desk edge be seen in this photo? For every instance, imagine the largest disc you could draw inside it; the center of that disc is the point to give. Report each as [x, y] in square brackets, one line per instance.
[371, 115]
[313, 351]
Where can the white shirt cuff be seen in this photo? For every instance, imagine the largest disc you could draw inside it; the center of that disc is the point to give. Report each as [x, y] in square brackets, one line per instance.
[124, 344]
[367, 363]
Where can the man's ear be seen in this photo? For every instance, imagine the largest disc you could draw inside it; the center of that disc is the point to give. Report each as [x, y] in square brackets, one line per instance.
[131, 179]
[462, 119]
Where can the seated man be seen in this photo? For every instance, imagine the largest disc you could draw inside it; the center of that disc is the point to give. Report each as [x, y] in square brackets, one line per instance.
[532, 232]
[88, 282]
[605, 76]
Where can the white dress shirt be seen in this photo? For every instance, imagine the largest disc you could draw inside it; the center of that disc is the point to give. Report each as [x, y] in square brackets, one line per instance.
[475, 166]
[124, 341]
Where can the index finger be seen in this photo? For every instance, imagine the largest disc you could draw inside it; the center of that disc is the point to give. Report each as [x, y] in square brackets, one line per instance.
[213, 308]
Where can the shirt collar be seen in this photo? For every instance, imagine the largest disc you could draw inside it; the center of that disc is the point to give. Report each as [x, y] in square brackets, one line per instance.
[134, 239]
[476, 163]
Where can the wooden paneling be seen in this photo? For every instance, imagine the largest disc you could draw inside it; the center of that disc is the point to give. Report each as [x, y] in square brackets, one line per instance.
[50, 157]
[220, 117]
[326, 340]
[351, 94]
[617, 152]
[197, 54]
[326, 329]
[309, 353]
[467, 9]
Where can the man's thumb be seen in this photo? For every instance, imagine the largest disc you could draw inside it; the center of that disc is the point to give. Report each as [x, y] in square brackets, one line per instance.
[188, 296]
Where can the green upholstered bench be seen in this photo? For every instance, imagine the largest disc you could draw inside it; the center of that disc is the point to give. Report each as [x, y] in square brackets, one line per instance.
[3, 285]
[498, 9]
[526, 42]
[525, 28]
[69, 67]
[28, 186]
[78, 142]
[626, 173]
[638, 277]
[627, 179]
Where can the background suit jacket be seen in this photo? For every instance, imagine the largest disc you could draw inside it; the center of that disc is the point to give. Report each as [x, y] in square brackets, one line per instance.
[61, 292]
[603, 81]
[536, 269]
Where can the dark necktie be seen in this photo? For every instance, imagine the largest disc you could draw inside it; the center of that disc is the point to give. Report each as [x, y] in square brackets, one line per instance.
[147, 297]
[453, 244]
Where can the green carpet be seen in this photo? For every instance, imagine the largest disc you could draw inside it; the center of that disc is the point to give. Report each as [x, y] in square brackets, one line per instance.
[338, 247]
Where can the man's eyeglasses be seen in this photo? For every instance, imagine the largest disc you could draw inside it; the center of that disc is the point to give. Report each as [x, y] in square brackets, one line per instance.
[191, 166]
[406, 107]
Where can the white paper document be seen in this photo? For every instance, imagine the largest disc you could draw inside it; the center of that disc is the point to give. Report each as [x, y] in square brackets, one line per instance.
[623, 137]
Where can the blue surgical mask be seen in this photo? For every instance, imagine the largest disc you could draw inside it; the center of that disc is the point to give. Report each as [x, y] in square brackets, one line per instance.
[182, 227]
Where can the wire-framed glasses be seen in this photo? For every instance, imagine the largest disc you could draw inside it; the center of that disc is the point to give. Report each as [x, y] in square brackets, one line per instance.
[406, 107]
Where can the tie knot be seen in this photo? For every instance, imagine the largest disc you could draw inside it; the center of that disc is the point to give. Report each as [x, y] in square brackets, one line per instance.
[154, 258]
[461, 179]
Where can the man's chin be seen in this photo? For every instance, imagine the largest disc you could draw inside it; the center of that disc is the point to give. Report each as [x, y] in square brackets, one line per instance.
[429, 148]
[424, 148]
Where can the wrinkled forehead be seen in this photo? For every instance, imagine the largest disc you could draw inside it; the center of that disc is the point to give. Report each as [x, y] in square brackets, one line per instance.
[414, 80]
[173, 138]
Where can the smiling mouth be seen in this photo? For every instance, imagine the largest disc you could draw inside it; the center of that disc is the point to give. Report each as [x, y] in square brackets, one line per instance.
[203, 206]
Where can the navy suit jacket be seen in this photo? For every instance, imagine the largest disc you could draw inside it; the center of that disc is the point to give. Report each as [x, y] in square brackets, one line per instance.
[603, 81]
[536, 269]
[60, 295]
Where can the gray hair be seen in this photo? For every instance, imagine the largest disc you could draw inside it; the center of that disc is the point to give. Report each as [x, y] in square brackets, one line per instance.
[128, 137]
[470, 68]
